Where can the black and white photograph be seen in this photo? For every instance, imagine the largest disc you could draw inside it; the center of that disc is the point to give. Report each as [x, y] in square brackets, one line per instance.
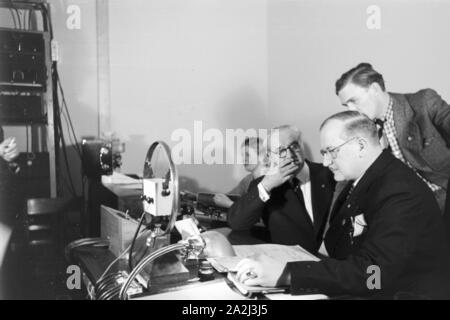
[222, 155]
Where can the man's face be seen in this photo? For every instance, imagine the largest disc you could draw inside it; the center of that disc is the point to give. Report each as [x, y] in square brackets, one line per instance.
[342, 161]
[286, 148]
[360, 99]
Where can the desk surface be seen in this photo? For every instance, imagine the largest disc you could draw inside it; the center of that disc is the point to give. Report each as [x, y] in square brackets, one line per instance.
[94, 261]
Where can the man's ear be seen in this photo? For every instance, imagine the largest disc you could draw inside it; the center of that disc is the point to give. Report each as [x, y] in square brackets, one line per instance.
[362, 146]
[375, 88]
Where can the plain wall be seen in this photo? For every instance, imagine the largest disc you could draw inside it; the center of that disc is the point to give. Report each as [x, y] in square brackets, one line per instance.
[174, 62]
[237, 64]
[312, 42]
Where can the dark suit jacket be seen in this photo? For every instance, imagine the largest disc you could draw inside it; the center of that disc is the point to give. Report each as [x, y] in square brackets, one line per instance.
[404, 237]
[422, 122]
[283, 215]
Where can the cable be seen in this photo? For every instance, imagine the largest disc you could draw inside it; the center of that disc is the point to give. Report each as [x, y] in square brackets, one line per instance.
[13, 17]
[112, 263]
[97, 242]
[13, 8]
[130, 262]
[67, 112]
[19, 18]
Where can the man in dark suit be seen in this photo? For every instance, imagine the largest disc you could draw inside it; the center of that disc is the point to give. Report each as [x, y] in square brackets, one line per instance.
[385, 237]
[293, 198]
[416, 125]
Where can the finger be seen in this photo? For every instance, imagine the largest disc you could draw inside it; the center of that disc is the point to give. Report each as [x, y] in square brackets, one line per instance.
[290, 170]
[241, 273]
[285, 163]
[252, 282]
[241, 267]
[8, 140]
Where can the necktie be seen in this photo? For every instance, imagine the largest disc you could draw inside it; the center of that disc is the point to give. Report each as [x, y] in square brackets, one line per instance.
[380, 124]
[296, 183]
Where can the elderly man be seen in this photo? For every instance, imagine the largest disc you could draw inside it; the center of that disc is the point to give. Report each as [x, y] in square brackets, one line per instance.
[293, 198]
[386, 223]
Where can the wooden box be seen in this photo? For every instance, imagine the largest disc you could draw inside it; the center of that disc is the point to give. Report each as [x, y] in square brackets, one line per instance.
[118, 228]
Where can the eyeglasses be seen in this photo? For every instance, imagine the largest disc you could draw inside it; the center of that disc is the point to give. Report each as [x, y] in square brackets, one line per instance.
[282, 152]
[333, 152]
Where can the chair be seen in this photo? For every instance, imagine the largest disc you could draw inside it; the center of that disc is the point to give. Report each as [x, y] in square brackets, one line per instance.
[45, 221]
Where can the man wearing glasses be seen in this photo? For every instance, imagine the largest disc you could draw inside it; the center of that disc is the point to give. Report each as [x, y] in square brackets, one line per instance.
[385, 223]
[292, 198]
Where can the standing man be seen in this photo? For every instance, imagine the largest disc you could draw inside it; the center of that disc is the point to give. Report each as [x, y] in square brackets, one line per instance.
[385, 237]
[416, 126]
[293, 198]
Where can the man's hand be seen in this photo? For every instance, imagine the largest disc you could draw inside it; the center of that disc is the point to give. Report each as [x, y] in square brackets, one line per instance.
[222, 200]
[280, 174]
[8, 149]
[262, 270]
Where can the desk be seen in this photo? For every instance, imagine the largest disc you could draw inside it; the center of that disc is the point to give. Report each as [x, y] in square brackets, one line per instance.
[93, 261]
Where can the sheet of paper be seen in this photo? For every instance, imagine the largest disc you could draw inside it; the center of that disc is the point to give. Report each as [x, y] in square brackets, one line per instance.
[276, 251]
[250, 290]
[208, 291]
[287, 296]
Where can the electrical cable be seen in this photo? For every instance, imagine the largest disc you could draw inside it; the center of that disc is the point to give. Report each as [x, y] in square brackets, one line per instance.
[112, 263]
[13, 17]
[130, 262]
[97, 242]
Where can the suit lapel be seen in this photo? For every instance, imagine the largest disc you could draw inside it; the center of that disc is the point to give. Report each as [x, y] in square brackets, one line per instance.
[408, 132]
[320, 194]
[345, 208]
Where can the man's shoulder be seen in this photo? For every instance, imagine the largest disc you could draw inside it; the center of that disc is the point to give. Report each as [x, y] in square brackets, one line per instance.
[398, 177]
[419, 99]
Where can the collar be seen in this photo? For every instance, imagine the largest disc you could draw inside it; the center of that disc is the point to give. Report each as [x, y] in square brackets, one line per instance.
[304, 175]
[376, 169]
[389, 109]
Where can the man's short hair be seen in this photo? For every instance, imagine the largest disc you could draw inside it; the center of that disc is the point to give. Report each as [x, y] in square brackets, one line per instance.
[294, 131]
[362, 75]
[355, 124]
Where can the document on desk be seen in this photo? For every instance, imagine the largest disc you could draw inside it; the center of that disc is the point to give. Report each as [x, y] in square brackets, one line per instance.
[276, 251]
[215, 290]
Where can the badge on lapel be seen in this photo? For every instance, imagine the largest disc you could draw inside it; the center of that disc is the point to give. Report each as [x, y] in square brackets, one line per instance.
[359, 224]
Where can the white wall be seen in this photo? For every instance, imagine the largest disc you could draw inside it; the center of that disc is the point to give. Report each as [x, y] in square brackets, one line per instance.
[174, 62]
[239, 64]
[312, 42]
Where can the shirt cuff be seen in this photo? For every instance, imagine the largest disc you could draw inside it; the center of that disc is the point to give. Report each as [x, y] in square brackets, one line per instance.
[263, 194]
